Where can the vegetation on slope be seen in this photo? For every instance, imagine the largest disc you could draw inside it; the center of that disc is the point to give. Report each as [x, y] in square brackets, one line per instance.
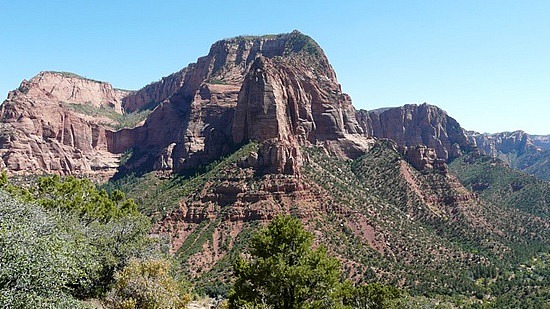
[495, 181]
[126, 120]
[284, 271]
[63, 241]
[384, 220]
[536, 163]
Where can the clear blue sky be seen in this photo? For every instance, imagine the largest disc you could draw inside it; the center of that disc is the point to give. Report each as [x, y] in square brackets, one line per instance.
[487, 63]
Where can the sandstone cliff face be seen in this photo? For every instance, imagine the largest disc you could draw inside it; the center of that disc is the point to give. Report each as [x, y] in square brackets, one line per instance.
[43, 132]
[424, 159]
[61, 87]
[151, 95]
[277, 90]
[412, 125]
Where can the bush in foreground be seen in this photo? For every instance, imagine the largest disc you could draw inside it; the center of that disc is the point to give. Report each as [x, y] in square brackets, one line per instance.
[147, 284]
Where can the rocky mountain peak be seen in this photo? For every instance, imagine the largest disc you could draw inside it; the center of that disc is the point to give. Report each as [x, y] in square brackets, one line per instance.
[503, 142]
[278, 90]
[241, 51]
[229, 60]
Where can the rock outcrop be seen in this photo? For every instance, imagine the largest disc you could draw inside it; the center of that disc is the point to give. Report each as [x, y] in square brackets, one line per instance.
[424, 159]
[277, 90]
[45, 128]
[412, 125]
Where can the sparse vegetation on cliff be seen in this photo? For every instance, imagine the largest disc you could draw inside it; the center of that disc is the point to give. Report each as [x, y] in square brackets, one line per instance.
[120, 121]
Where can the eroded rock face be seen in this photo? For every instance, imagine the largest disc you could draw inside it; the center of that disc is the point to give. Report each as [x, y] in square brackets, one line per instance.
[424, 159]
[277, 90]
[61, 87]
[44, 130]
[412, 125]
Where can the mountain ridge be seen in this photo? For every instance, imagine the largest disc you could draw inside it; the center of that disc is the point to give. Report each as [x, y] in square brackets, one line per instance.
[212, 85]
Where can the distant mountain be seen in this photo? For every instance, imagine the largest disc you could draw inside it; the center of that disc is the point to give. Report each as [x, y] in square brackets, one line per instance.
[541, 141]
[528, 153]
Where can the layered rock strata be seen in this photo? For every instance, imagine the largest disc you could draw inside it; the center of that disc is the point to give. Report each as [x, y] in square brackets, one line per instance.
[278, 90]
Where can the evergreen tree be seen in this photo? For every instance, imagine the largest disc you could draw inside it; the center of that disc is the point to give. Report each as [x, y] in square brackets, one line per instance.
[284, 271]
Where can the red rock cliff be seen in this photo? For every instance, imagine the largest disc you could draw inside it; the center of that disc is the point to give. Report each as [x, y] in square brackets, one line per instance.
[413, 125]
[44, 128]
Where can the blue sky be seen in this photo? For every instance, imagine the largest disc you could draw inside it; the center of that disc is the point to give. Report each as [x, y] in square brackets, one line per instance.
[487, 63]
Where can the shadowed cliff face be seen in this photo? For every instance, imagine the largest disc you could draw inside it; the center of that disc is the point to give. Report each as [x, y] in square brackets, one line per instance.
[151, 95]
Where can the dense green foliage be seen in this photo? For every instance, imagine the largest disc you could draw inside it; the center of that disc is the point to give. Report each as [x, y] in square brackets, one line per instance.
[374, 295]
[82, 196]
[64, 240]
[284, 271]
[37, 257]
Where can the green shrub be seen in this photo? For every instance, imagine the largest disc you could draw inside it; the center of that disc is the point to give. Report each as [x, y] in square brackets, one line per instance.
[147, 284]
[284, 271]
[39, 259]
[75, 236]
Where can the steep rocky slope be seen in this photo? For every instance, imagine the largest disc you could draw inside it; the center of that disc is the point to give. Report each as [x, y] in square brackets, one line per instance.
[47, 126]
[276, 89]
[279, 90]
[151, 95]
